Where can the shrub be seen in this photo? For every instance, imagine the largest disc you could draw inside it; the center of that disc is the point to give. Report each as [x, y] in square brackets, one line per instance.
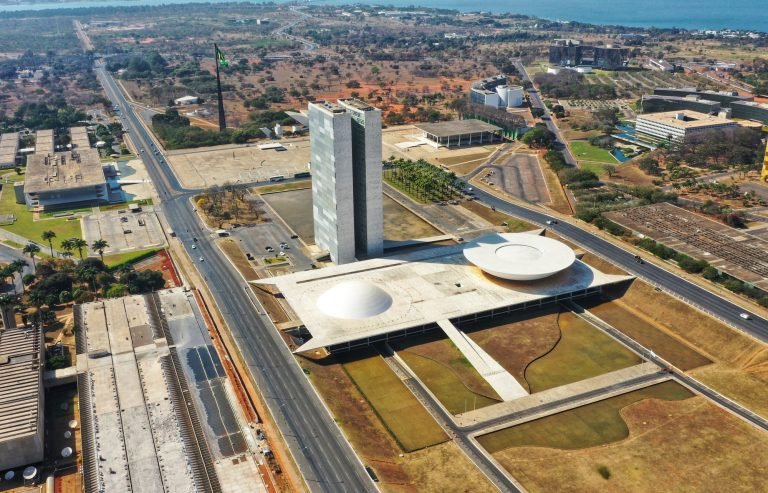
[604, 472]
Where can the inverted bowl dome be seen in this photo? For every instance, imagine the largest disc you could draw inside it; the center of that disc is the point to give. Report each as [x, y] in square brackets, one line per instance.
[519, 256]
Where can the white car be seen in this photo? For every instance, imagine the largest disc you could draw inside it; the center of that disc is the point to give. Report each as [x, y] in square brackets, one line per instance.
[745, 316]
[194, 247]
[201, 259]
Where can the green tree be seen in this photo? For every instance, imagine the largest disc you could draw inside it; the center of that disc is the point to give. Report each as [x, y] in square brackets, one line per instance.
[31, 249]
[99, 246]
[79, 244]
[49, 236]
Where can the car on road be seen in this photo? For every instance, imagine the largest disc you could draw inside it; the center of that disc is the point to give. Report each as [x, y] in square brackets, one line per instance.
[201, 259]
[269, 249]
[294, 237]
[745, 316]
[194, 247]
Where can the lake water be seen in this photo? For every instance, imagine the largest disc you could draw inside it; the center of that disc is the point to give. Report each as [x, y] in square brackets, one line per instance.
[690, 14]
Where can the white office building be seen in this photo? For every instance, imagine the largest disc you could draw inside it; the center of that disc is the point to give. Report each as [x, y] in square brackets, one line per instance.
[681, 125]
[345, 142]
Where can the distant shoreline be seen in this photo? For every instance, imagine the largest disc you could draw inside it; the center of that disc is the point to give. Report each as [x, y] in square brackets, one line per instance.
[689, 15]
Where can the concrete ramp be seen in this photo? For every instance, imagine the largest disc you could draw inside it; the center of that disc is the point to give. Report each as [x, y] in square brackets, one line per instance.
[497, 377]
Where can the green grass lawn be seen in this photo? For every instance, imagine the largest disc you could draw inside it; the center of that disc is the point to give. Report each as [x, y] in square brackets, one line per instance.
[402, 414]
[25, 226]
[582, 352]
[127, 257]
[584, 151]
[595, 424]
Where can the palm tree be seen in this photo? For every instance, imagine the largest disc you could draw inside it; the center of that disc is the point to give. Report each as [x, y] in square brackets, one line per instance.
[32, 249]
[6, 273]
[67, 246]
[49, 236]
[99, 246]
[79, 243]
[18, 267]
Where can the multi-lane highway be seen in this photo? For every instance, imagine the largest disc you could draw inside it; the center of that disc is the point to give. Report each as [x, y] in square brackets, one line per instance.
[324, 457]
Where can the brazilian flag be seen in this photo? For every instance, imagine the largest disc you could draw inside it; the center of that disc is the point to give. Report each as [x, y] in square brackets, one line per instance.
[221, 59]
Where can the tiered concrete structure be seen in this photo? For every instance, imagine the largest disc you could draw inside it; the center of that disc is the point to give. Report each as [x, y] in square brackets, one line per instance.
[345, 141]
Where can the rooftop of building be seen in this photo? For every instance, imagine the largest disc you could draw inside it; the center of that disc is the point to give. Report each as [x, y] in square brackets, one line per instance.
[44, 142]
[63, 171]
[457, 127]
[686, 119]
[9, 146]
[374, 297]
[688, 97]
[79, 138]
[126, 410]
[20, 380]
[696, 90]
[357, 104]
[328, 106]
[753, 104]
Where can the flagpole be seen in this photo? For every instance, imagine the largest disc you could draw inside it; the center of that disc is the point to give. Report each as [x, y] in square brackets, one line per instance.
[222, 119]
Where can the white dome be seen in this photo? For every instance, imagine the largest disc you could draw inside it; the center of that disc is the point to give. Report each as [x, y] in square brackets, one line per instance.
[354, 300]
[519, 256]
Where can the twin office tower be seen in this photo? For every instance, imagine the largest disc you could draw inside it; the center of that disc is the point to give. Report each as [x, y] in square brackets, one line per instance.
[345, 142]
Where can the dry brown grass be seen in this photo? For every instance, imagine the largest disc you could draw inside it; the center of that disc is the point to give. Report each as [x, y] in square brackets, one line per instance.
[516, 340]
[232, 250]
[438, 468]
[741, 367]
[687, 445]
[559, 202]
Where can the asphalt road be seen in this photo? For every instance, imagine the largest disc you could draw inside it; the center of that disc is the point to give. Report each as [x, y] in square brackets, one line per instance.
[536, 102]
[324, 457]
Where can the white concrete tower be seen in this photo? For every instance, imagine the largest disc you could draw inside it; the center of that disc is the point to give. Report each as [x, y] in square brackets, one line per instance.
[367, 172]
[332, 184]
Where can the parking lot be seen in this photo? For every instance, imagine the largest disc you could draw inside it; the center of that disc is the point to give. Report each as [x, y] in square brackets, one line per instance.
[124, 230]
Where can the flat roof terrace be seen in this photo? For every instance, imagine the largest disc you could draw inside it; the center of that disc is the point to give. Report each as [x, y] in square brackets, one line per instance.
[132, 435]
[20, 384]
[63, 171]
[44, 142]
[355, 304]
[457, 127]
[733, 251]
[9, 146]
[692, 119]
[79, 138]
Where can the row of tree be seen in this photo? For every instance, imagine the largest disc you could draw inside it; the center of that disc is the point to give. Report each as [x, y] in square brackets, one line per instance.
[423, 180]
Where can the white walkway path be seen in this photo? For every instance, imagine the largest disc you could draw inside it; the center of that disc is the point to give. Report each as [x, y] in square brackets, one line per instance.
[500, 379]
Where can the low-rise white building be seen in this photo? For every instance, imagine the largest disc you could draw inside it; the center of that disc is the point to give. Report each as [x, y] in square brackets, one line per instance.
[64, 179]
[682, 125]
[186, 100]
